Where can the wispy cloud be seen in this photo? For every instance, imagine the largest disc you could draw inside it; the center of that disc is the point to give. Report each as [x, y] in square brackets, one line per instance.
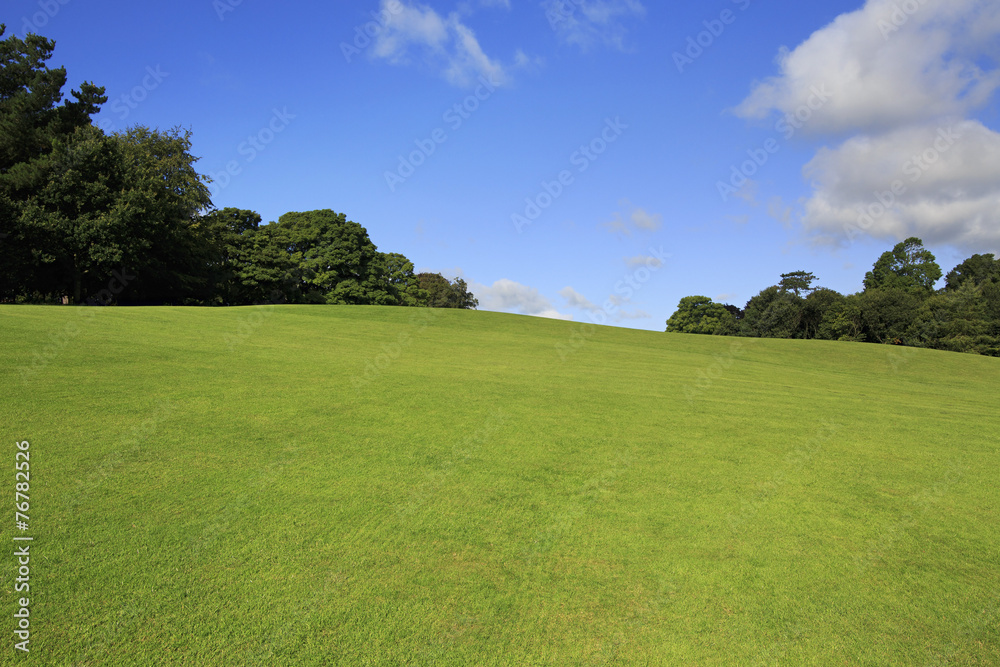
[577, 300]
[588, 23]
[635, 218]
[643, 260]
[418, 32]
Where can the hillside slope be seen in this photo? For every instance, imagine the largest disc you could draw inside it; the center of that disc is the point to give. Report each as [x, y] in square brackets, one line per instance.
[361, 485]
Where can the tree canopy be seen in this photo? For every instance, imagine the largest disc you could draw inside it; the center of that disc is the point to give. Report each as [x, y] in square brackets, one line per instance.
[700, 315]
[908, 266]
[78, 207]
[898, 306]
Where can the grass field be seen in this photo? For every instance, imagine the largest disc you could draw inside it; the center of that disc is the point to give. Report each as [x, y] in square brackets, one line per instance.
[382, 486]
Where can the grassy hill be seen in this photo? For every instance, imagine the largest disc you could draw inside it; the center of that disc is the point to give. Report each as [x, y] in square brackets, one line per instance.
[352, 485]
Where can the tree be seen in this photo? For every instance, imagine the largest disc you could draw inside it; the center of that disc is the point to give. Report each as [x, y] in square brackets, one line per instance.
[226, 237]
[337, 261]
[161, 203]
[441, 293]
[699, 315]
[886, 314]
[843, 321]
[909, 267]
[815, 309]
[400, 281]
[956, 320]
[773, 313]
[797, 281]
[33, 125]
[980, 269]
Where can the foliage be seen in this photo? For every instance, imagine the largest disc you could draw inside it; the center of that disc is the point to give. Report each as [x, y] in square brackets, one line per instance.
[797, 281]
[38, 139]
[898, 305]
[958, 320]
[439, 292]
[909, 266]
[773, 313]
[77, 205]
[815, 310]
[700, 315]
[980, 269]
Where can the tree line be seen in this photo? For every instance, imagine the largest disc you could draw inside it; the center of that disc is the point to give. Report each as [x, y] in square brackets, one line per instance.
[898, 305]
[81, 209]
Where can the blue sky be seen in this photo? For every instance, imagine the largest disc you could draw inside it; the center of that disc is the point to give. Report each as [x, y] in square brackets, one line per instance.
[593, 160]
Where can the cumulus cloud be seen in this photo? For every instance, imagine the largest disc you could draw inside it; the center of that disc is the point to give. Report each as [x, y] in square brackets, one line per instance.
[508, 296]
[940, 184]
[903, 81]
[865, 76]
[586, 23]
[417, 31]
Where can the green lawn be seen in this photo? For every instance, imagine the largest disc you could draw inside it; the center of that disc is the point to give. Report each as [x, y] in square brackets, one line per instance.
[366, 486]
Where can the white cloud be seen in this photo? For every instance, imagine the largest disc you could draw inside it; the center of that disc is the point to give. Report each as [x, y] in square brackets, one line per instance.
[446, 43]
[643, 220]
[895, 75]
[577, 300]
[865, 74]
[508, 296]
[638, 218]
[947, 187]
[586, 23]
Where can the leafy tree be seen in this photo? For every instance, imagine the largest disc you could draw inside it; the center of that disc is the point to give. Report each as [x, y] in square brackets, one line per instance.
[773, 313]
[338, 262]
[815, 309]
[437, 288]
[734, 311]
[226, 237]
[843, 321]
[909, 266]
[162, 201]
[886, 314]
[266, 271]
[700, 315]
[797, 281]
[463, 297]
[400, 281]
[33, 125]
[956, 320]
[441, 293]
[980, 269]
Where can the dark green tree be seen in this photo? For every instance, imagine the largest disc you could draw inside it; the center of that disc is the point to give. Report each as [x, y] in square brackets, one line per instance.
[700, 315]
[888, 313]
[337, 261]
[226, 254]
[843, 321]
[33, 125]
[773, 313]
[400, 281]
[958, 320]
[909, 266]
[980, 269]
[817, 306]
[798, 282]
[442, 293]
